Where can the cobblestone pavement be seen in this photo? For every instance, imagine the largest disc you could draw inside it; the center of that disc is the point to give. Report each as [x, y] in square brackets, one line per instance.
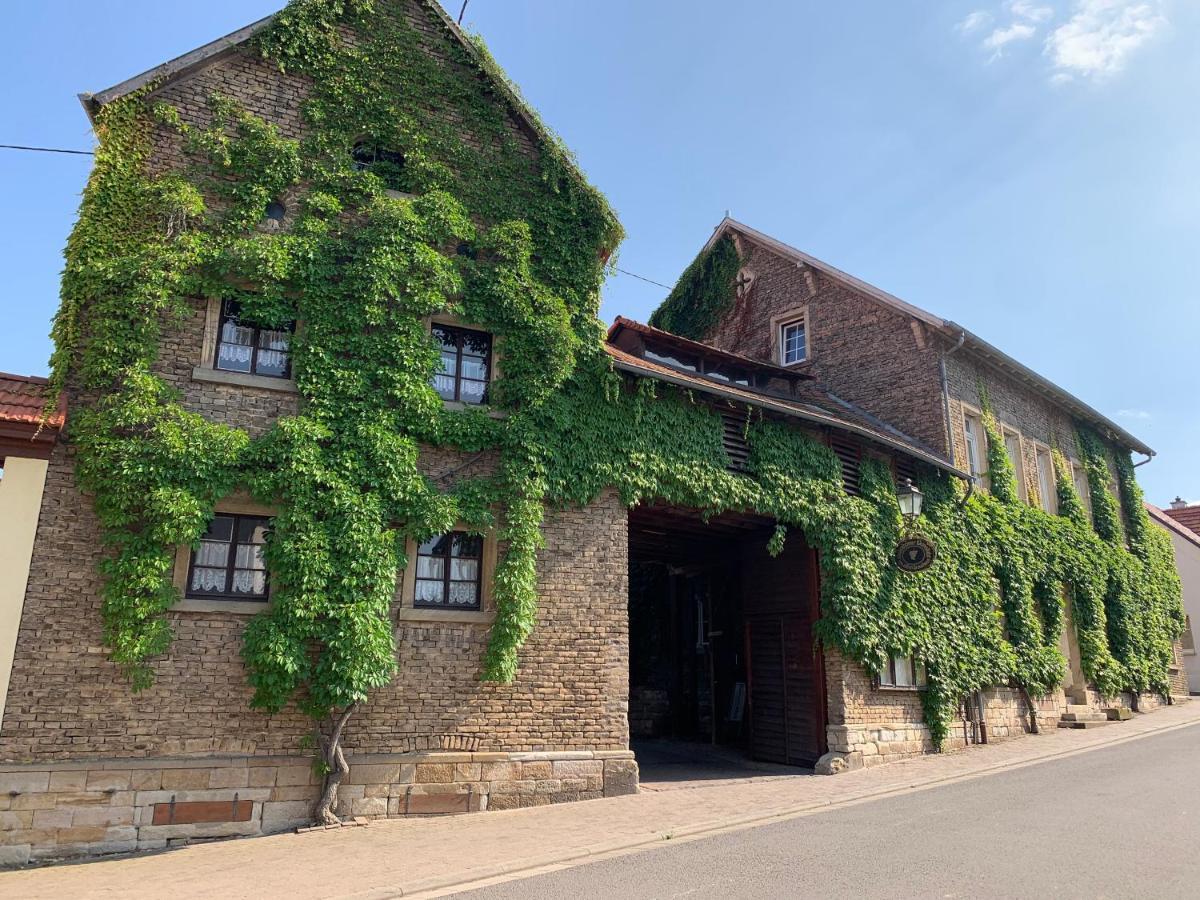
[431, 856]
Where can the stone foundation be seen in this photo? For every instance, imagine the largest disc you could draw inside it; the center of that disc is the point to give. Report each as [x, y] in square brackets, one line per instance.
[64, 809]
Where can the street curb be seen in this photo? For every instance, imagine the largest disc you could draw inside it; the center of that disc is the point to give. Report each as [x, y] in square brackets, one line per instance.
[515, 869]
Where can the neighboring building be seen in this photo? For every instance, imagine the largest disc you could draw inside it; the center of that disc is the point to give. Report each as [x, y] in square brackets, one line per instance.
[1181, 521]
[926, 375]
[25, 445]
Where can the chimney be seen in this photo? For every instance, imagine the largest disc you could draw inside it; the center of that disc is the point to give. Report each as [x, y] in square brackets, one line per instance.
[1178, 503]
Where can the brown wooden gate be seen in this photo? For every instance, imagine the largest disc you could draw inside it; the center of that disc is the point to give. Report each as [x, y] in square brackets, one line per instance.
[785, 670]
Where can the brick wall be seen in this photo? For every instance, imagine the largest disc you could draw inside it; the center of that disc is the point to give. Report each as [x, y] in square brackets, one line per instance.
[863, 351]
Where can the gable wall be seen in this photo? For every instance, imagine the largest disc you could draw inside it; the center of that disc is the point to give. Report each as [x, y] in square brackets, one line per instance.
[863, 351]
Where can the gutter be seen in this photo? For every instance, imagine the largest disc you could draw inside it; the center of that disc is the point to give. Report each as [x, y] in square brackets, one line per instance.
[1001, 361]
[788, 410]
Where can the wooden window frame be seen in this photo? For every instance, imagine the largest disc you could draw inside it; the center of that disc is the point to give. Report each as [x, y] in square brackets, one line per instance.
[970, 413]
[1049, 501]
[231, 567]
[796, 316]
[1018, 463]
[447, 569]
[257, 331]
[920, 680]
[457, 402]
[204, 371]
[233, 505]
[486, 614]
[1079, 477]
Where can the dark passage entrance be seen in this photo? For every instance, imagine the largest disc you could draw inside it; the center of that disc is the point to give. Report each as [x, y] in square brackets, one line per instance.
[721, 646]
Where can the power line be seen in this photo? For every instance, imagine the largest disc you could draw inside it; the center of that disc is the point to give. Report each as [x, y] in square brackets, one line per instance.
[645, 279]
[46, 150]
[666, 287]
[462, 12]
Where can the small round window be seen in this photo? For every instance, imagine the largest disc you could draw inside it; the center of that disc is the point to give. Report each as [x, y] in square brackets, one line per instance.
[276, 211]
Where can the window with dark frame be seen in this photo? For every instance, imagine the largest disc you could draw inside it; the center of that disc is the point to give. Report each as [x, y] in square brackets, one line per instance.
[793, 345]
[252, 350]
[228, 564]
[903, 672]
[466, 364]
[450, 572]
[372, 156]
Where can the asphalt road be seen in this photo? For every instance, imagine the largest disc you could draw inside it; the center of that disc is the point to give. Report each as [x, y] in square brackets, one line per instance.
[1119, 822]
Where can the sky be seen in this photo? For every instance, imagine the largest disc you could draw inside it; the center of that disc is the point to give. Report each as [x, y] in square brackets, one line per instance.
[1027, 168]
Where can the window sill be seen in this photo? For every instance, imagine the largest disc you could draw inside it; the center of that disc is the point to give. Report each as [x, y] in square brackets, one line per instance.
[241, 379]
[236, 607]
[398, 195]
[459, 406]
[476, 617]
[894, 689]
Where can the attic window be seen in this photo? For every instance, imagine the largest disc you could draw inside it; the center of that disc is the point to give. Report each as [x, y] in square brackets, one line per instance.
[371, 156]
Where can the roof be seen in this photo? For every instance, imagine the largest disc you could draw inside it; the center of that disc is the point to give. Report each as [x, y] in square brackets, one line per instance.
[1187, 516]
[952, 330]
[201, 56]
[1167, 519]
[819, 406]
[22, 399]
[668, 337]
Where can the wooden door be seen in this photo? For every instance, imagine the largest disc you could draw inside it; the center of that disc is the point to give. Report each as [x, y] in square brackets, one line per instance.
[784, 665]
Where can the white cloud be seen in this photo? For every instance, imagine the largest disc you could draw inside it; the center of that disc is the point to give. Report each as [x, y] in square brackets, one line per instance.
[1001, 37]
[1100, 35]
[974, 22]
[1134, 414]
[1024, 9]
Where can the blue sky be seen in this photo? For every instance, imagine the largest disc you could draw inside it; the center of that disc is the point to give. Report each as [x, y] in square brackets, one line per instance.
[1024, 167]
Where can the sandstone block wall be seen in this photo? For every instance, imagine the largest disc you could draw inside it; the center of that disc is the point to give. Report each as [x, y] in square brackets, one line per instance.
[62, 810]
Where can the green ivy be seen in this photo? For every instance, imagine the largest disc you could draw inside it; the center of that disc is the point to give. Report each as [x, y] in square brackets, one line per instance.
[705, 292]
[362, 270]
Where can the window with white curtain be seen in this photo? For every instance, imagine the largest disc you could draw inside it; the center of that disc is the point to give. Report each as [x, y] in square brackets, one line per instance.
[246, 348]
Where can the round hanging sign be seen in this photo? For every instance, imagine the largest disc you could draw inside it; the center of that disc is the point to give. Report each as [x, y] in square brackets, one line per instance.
[915, 553]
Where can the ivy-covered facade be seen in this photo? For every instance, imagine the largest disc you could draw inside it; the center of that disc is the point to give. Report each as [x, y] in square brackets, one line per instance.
[351, 473]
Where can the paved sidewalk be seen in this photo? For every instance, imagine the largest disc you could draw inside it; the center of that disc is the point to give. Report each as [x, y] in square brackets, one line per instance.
[411, 857]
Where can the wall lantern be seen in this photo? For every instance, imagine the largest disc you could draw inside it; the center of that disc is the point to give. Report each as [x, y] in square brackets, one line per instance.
[911, 501]
[915, 552]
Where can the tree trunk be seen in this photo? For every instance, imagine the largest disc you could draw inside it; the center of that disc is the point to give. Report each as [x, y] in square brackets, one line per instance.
[336, 768]
[1034, 727]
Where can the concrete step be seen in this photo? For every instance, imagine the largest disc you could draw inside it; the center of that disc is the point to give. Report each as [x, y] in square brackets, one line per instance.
[1118, 713]
[1083, 723]
[1079, 709]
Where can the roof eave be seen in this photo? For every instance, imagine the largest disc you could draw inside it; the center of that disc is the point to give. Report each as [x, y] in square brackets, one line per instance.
[783, 409]
[175, 67]
[1001, 360]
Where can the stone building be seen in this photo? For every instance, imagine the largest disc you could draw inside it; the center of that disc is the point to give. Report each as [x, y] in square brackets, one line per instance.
[656, 621]
[932, 378]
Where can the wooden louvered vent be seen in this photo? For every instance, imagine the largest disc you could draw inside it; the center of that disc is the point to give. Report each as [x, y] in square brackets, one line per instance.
[906, 468]
[734, 438]
[849, 452]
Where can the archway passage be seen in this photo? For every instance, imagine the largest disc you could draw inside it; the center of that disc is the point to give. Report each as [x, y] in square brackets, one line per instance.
[723, 665]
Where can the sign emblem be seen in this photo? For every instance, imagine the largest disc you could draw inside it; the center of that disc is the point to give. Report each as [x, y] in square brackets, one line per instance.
[915, 553]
